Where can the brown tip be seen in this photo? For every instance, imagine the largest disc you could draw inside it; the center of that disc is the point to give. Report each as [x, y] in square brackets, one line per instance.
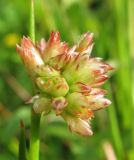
[21, 124]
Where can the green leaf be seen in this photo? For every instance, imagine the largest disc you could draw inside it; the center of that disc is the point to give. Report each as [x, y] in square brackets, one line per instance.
[22, 143]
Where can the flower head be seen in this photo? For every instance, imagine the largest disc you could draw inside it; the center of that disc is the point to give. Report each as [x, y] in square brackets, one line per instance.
[68, 79]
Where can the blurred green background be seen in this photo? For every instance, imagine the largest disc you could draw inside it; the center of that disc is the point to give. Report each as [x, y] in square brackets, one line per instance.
[112, 22]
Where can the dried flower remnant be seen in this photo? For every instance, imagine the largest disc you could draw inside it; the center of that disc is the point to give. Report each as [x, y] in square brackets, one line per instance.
[68, 79]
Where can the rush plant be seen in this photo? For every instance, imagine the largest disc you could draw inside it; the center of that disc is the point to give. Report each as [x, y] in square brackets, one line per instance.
[67, 80]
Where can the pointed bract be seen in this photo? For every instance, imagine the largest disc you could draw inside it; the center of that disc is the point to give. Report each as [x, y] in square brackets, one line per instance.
[30, 56]
[54, 47]
[78, 125]
[86, 44]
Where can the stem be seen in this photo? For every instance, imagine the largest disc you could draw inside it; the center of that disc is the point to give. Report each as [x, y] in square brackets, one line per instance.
[34, 138]
[115, 132]
[32, 22]
[115, 128]
[35, 118]
[22, 143]
[131, 46]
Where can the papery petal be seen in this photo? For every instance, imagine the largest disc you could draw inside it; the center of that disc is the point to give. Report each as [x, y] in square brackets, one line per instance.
[42, 104]
[90, 71]
[99, 80]
[59, 104]
[80, 87]
[97, 91]
[86, 44]
[60, 61]
[98, 102]
[72, 51]
[54, 47]
[98, 67]
[30, 56]
[78, 125]
[41, 46]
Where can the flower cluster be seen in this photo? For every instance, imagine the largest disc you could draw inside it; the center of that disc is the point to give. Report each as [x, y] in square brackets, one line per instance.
[68, 79]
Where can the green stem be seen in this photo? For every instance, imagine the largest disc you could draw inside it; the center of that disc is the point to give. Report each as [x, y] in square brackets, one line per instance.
[115, 132]
[115, 128]
[131, 47]
[34, 138]
[22, 143]
[32, 22]
[35, 118]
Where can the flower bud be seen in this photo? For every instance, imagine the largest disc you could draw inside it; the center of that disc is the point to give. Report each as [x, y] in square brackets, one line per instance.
[98, 102]
[55, 86]
[47, 72]
[59, 104]
[78, 125]
[42, 104]
[78, 106]
[30, 56]
[78, 66]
